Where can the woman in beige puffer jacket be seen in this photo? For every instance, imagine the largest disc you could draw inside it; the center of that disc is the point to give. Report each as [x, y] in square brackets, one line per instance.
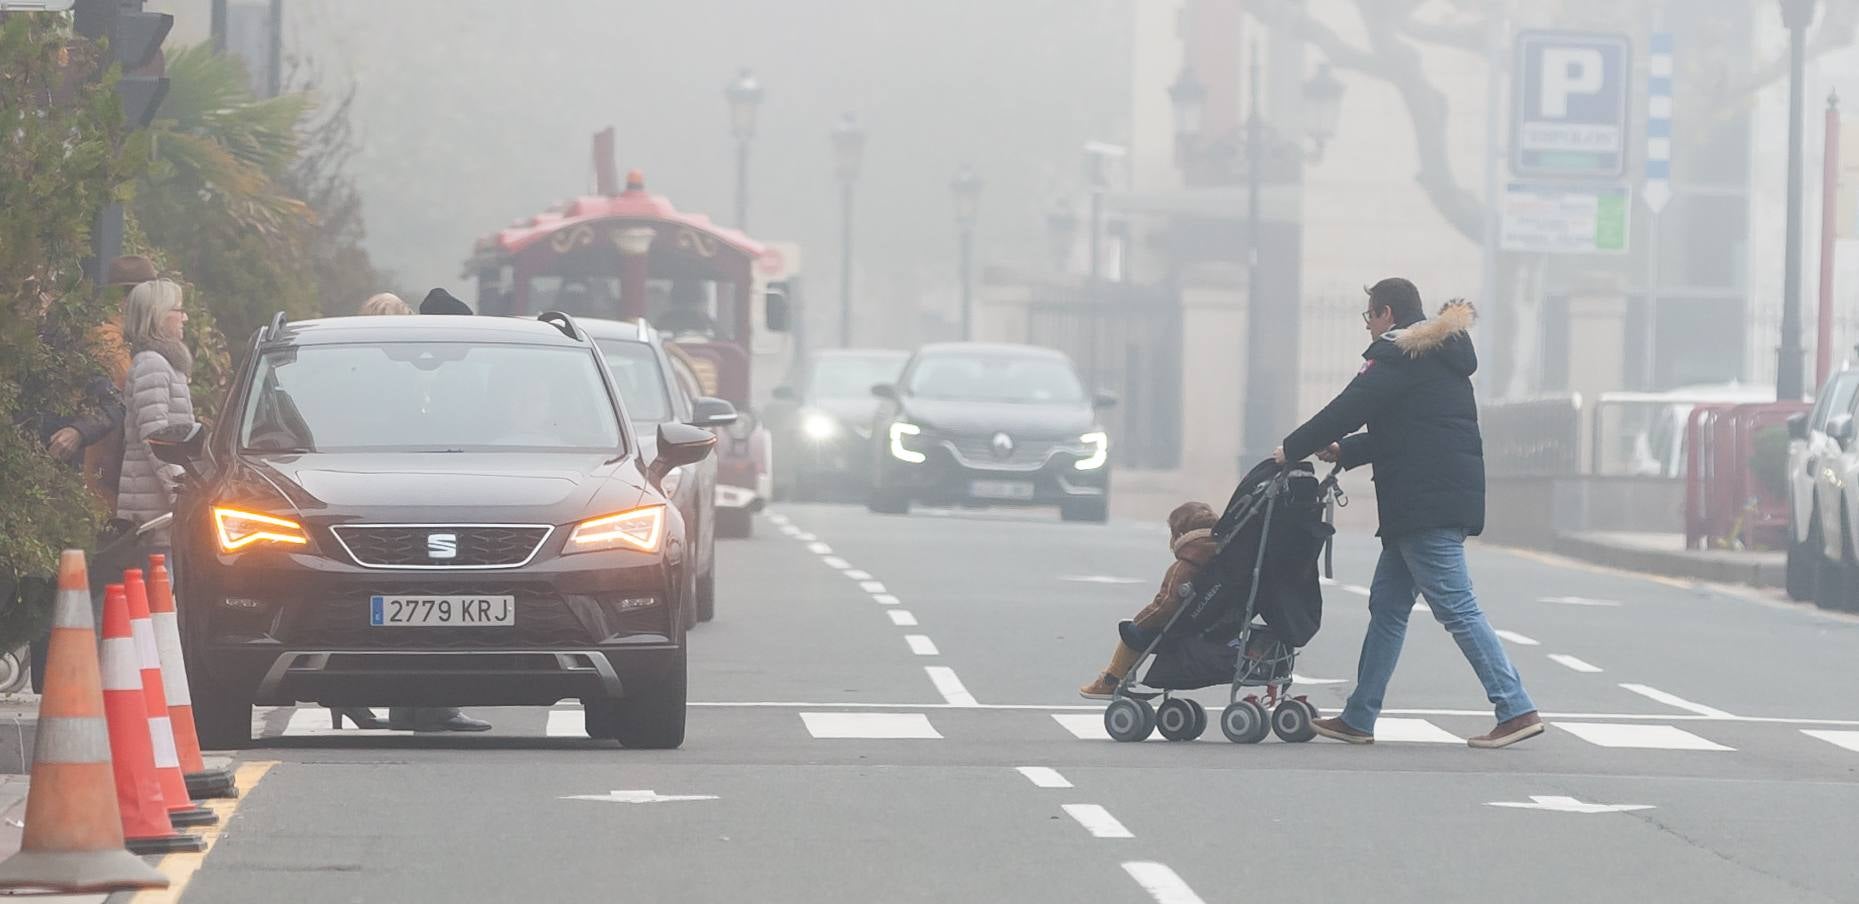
[155, 395]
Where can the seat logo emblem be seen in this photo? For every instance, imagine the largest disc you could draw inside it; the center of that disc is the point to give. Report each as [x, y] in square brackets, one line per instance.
[442, 546]
[1002, 445]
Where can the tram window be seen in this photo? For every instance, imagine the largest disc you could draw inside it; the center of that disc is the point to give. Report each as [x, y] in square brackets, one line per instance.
[575, 296]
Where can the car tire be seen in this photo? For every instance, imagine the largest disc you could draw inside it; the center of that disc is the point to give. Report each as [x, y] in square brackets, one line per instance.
[888, 502]
[1095, 511]
[651, 715]
[706, 595]
[222, 718]
[1802, 570]
[735, 524]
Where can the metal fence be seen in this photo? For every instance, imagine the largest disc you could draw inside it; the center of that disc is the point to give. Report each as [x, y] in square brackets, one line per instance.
[1125, 339]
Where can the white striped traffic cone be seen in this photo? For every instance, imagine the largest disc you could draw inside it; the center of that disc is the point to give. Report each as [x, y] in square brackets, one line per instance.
[202, 782]
[181, 809]
[146, 828]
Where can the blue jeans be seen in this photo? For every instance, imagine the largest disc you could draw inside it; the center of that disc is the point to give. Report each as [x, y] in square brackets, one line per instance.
[1431, 562]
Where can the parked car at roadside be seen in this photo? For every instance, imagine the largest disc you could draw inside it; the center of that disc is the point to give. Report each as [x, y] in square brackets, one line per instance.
[823, 441]
[978, 424]
[658, 388]
[1810, 450]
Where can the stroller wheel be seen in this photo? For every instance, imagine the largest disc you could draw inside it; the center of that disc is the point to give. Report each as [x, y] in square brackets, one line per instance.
[1180, 719]
[1129, 720]
[1244, 722]
[1291, 721]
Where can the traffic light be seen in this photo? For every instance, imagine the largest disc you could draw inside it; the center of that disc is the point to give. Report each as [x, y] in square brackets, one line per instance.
[135, 43]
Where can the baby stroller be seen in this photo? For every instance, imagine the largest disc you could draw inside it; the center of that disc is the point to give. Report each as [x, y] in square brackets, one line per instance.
[1254, 605]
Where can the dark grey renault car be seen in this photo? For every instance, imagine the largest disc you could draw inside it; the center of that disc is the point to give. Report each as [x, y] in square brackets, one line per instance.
[433, 511]
[980, 424]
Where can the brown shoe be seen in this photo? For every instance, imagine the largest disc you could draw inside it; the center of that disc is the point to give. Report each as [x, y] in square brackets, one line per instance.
[1337, 730]
[1101, 689]
[1509, 732]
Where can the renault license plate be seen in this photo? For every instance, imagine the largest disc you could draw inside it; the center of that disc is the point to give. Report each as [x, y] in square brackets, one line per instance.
[1016, 490]
[442, 611]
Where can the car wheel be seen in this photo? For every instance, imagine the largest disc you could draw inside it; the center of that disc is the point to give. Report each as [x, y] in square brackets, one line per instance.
[706, 595]
[735, 523]
[888, 502]
[1800, 574]
[651, 715]
[14, 671]
[1096, 511]
[222, 718]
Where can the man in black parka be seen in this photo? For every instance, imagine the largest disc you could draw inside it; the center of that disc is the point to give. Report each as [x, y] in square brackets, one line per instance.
[1414, 394]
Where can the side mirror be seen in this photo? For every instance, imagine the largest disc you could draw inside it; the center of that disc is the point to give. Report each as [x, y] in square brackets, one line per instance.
[711, 412]
[1797, 426]
[1840, 428]
[182, 444]
[778, 316]
[1104, 399]
[886, 391]
[679, 445]
[786, 394]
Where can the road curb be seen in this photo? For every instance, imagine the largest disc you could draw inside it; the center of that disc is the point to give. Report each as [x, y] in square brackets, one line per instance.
[1710, 567]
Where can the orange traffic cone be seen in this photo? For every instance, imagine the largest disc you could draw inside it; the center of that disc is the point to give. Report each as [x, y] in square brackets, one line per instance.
[181, 808]
[73, 841]
[201, 782]
[146, 828]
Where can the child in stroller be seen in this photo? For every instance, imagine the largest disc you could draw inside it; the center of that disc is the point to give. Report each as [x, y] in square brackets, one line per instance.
[1190, 535]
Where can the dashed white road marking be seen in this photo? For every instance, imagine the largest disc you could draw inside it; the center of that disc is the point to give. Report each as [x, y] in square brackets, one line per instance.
[1578, 601]
[1561, 804]
[1161, 883]
[790, 530]
[1099, 579]
[1644, 737]
[567, 723]
[921, 645]
[949, 686]
[858, 575]
[1653, 693]
[1846, 739]
[884, 599]
[1044, 777]
[903, 618]
[836, 562]
[1305, 679]
[873, 587]
[1413, 731]
[805, 537]
[884, 726]
[1564, 659]
[1516, 638]
[1097, 821]
[819, 549]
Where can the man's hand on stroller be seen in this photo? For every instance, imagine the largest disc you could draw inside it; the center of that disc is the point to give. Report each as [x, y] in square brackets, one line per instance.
[1334, 452]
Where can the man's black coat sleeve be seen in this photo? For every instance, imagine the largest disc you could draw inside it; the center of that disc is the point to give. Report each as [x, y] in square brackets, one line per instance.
[1348, 412]
[1358, 450]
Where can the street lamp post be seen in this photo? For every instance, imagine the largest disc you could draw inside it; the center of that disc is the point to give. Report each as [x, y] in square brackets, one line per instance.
[966, 189]
[1259, 415]
[848, 151]
[1797, 15]
[744, 96]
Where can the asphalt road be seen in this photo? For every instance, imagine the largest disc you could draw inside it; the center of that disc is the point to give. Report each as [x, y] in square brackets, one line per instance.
[945, 647]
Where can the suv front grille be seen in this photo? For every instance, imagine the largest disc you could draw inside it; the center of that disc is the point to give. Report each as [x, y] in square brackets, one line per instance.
[441, 546]
[980, 450]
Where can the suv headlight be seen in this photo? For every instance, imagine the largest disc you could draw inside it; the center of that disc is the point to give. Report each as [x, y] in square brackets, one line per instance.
[899, 430]
[641, 528]
[1099, 445]
[237, 529]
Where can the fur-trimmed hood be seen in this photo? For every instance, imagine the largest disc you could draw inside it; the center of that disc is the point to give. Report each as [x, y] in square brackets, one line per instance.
[1447, 335]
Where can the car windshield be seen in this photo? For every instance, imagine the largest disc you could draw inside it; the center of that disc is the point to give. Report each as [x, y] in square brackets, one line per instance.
[996, 378]
[641, 381]
[428, 397]
[852, 376]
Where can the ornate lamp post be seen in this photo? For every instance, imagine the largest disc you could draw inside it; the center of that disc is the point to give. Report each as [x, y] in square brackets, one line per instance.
[848, 152]
[744, 96]
[966, 190]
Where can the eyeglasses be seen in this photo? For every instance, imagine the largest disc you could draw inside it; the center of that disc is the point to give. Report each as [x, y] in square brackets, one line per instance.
[1368, 317]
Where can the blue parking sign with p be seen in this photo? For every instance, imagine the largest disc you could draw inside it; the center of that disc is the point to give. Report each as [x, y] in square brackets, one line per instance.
[1571, 110]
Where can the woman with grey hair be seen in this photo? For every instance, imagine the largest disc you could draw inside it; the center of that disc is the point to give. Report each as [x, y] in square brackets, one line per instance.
[155, 395]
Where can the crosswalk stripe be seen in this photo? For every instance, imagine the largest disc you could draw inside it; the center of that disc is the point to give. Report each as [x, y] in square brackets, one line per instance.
[1846, 739]
[869, 726]
[1643, 737]
[1417, 731]
[1083, 726]
[567, 723]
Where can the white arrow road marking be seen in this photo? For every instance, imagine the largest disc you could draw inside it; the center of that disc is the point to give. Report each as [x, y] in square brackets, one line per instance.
[1577, 601]
[1562, 804]
[1099, 579]
[638, 797]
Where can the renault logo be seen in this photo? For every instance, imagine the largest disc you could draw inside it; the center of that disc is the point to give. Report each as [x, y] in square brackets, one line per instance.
[1002, 445]
[442, 546]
